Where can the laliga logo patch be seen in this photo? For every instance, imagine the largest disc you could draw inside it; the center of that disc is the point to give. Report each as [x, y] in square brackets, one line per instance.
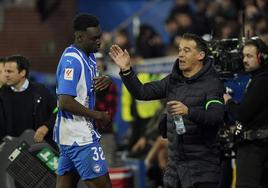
[68, 74]
[97, 168]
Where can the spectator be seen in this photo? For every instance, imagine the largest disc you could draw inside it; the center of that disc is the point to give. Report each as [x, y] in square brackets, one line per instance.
[138, 113]
[171, 26]
[264, 36]
[2, 72]
[147, 138]
[149, 44]
[157, 161]
[2, 82]
[25, 104]
[121, 38]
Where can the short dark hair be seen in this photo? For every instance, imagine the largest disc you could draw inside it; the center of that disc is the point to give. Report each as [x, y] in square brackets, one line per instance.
[2, 59]
[200, 43]
[22, 63]
[82, 21]
[258, 43]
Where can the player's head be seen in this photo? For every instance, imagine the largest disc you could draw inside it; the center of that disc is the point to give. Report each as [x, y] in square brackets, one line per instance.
[87, 32]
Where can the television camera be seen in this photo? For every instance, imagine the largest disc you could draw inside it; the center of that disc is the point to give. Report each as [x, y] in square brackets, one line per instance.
[227, 56]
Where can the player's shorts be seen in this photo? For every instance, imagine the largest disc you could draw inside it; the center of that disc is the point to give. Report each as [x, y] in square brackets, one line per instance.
[87, 160]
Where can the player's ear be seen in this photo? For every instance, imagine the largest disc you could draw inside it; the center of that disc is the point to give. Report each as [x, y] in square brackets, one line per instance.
[79, 36]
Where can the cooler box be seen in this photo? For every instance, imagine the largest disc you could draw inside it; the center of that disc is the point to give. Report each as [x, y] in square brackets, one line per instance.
[121, 177]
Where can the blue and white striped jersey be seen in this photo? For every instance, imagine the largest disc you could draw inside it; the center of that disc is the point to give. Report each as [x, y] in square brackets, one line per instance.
[75, 73]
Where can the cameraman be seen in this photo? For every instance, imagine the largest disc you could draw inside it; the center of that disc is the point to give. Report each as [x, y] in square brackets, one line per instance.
[252, 113]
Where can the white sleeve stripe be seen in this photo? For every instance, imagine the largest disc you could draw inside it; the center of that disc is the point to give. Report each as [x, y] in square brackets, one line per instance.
[90, 67]
[92, 60]
[75, 55]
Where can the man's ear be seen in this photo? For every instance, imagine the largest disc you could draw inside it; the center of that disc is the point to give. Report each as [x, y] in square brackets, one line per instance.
[201, 55]
[78, 36]
[23, 73]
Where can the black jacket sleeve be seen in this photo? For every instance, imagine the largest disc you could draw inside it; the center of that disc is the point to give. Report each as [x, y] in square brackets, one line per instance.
[46, 106]
[2, 120]
[52, 110]
[253, 101]
[213, 113]
[148, 91]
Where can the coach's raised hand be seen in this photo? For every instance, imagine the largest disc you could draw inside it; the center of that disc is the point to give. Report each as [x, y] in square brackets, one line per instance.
[121, 58]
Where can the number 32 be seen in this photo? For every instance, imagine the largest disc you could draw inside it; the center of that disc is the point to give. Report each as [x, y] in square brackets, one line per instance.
[98, 153]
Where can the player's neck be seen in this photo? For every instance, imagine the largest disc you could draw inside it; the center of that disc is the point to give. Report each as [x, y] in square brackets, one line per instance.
[81, 48]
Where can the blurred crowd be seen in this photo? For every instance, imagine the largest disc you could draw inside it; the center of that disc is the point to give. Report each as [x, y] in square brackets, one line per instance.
[212, 19]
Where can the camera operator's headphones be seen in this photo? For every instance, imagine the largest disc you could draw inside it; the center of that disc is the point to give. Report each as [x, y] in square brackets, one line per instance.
[262, 49]
[262, 58]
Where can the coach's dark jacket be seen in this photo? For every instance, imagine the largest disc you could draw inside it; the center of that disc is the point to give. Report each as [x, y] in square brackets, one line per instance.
[43, 105]
[193, 157]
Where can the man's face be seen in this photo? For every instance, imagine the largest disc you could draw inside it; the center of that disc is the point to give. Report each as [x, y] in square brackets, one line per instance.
[250, 58]
[2, 74]
[92, 39]
[189, 56]
[13, 76]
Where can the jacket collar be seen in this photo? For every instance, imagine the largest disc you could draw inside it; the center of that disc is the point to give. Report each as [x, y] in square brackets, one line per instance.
[206, 69]
[23, 87]
[263, 69]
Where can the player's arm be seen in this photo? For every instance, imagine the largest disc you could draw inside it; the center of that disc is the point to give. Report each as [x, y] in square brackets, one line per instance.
[69, 104]
[68, 75]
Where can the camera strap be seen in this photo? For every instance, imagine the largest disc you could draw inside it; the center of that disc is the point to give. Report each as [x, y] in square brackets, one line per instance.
[255, 134]
[238, 128]
[250, 134]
